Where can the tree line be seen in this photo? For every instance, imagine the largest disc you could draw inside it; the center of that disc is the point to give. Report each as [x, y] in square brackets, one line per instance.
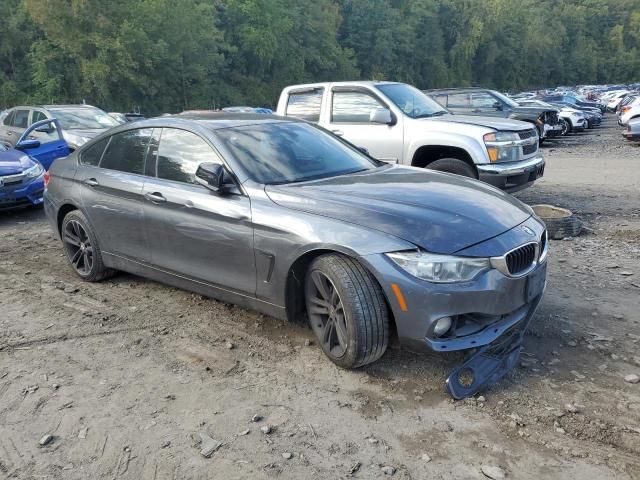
[172, 55]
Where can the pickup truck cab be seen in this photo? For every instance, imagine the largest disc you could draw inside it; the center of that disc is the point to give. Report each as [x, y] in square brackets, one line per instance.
[398, 123]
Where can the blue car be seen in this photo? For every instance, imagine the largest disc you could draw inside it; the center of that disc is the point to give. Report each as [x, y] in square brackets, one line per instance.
[22, 168]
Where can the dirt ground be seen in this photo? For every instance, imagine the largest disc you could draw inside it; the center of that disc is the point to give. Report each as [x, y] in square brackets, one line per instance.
[127, 374]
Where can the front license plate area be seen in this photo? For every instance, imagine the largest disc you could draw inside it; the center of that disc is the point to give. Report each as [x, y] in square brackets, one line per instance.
[535, 283]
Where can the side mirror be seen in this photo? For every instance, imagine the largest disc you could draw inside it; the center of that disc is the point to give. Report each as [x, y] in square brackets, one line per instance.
[363, 150]
[211, 175]
[498, 106]
[27, 144]
[381, 115]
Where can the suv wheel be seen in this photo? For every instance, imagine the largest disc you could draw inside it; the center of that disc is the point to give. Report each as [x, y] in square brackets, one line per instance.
[347, 311]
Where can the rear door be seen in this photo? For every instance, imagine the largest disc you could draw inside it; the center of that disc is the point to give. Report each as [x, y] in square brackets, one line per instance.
[111, 183]
[193, 231]
[348, 117]
[52, 144]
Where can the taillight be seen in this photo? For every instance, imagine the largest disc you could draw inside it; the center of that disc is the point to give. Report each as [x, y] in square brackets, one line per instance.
[46, 177]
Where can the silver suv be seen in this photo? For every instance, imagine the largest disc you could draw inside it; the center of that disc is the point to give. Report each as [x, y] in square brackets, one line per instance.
[398, 123]
[79, 123]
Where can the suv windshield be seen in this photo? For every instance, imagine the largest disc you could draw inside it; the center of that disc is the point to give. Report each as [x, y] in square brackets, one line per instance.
[83, 117]
[411, 101]
[274, 153]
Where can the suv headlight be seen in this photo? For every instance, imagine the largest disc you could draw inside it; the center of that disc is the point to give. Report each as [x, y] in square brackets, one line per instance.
[503, 147]
[34, 172]
[439, 268]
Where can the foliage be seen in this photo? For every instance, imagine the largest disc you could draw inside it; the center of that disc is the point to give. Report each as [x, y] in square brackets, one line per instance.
[170, 55]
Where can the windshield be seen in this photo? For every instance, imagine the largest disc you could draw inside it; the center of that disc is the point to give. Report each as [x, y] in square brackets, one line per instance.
[505, 99]
[82, 117]
[274, 153]
[411, 101]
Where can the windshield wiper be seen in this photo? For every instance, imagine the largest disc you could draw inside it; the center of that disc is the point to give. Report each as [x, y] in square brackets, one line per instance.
[434, 114]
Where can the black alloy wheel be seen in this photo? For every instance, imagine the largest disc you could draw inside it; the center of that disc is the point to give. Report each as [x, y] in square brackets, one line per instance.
[327, 315]
[78, 246]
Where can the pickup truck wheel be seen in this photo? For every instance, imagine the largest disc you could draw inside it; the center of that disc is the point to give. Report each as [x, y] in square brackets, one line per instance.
[347, 311]
[453, 165]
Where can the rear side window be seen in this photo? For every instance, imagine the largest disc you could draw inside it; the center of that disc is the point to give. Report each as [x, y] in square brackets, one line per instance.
[8, 120]
[21, 119]
[93, 154]
[126, 151]
[305, 105]
[179, 154]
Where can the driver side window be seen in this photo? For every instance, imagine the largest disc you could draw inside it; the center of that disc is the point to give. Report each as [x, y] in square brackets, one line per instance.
[179, 154]
[353, 107]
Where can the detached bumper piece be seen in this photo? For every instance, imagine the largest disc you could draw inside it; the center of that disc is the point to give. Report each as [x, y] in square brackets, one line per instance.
[490, 363]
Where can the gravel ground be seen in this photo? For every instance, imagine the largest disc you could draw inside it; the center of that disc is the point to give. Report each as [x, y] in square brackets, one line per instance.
[136, 380]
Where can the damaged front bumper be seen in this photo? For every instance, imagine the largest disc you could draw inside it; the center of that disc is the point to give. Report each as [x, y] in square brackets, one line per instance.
[490, 363]
[484, 314]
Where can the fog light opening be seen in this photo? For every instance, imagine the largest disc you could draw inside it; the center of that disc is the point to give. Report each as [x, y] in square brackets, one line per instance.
[442, 326]
[466, 377]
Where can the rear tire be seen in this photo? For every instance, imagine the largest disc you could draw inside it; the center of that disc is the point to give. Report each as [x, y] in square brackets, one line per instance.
[82, 248]
[453, 165]
[347, 311]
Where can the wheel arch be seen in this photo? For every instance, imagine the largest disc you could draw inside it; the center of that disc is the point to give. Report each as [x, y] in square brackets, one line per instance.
[428, 154]
[63, 211]
[294, 285]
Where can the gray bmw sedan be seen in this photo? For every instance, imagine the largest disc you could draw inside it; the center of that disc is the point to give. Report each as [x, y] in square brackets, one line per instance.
[280, 216]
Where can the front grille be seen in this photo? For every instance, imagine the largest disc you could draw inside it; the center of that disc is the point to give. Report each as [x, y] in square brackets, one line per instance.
[527, 134]
[521, 259]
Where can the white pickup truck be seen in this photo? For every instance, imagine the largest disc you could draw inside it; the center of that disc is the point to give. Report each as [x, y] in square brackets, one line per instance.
[398, 123]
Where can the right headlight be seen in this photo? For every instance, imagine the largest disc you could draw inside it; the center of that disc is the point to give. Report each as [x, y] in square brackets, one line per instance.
[503, 146]
[34, 172]
[439, 268]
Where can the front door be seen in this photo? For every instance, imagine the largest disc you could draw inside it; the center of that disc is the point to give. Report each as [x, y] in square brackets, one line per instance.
[350, 111]
[111, 185]
[193, 231]
[51, 143]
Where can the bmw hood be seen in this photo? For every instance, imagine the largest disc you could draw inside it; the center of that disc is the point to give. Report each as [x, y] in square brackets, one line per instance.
[489, 122]
[13, 162]
[439, 212]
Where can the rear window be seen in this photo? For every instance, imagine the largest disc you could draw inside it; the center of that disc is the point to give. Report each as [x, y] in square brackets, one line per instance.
[305, 105]
[92, 155]
[127, 150]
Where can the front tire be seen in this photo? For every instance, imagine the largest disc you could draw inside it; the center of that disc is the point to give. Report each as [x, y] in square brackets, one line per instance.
[347, 311]
[82, 248]
[453, 165]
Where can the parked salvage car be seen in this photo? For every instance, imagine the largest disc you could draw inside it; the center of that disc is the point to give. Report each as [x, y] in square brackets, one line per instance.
[481, 101]
[632, 133]
[573, 120]
[79, 122]
[397, 123]
[630, 112]
[280, 216]
[22, 169]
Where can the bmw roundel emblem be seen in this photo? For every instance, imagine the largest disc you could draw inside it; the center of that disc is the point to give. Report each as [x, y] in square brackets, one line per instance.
[528, 231]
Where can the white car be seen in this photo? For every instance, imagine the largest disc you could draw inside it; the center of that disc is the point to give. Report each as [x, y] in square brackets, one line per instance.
[613, 101]
[573, 119]
[629, 111]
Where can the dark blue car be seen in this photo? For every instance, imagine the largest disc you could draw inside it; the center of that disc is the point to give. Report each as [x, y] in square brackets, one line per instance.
[22, 168]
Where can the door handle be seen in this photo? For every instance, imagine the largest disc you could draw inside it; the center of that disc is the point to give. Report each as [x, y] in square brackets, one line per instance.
[10, 133]
[92, 182]
[155, 197]
[339, 133]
